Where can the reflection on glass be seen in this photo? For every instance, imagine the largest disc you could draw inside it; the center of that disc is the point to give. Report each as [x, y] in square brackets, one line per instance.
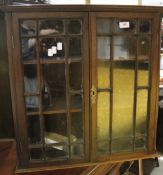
[75, 27]
[103, 47]
[103, 116]
[123, 100]
[31, 88]
[54, 86]
[141, 112]
[124, 48]
[77, 150]
[145, 26]
[52, 48]
[75, 48]
[75, 70]
[76, 101]
[36, 154]
[51, 26]
[122, 145]
[77, 127]
[103, 147]
[103, 73]
[103, 26]
[125, 26]
[140, 143]
[144, 48]
[28, 48]
[28, 27]
[143, 74]
[34, 134]
[55, 128]
[58, 151]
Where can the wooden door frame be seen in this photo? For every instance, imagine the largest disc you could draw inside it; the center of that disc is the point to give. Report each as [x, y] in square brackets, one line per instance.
[16, 79]
[151, 149]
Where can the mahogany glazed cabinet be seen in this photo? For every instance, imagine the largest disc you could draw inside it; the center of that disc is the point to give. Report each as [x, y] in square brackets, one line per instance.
[84, 83]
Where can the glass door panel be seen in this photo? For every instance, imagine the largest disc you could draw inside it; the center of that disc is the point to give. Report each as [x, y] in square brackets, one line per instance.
[103, 48]
[31, 88]
[143, 73]
[124, 48]
[144, 48]
[54, 83]
[54, 86]
[34, 131]
[103, 120]
[103, 26]
[103, 72]
[75, 27]
[75, 48]
[141, 112]
[121, 78]
[51, 27]
[52, 48]
[145, 26]
[123, 100]
[125, 26]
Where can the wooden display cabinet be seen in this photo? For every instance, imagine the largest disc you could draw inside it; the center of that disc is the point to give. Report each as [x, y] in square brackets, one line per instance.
[84, 83]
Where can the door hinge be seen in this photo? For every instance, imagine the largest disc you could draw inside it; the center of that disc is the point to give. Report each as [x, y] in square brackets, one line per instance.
[12, 41]
[93, 94]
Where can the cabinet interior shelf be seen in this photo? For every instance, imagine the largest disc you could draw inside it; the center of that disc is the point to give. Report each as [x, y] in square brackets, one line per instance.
[122, 60]
[53, 112]
[53, 61]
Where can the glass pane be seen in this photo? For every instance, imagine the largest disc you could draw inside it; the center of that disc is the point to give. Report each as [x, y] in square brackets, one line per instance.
[76, 101]
[77, 150]
[103, 47]
[125, 26]
[122, 145]
[31, 88]
[58, 151]
[145, 26]
[103, 73]
[76, 76]
[75, 48]
[54, 86]
[34, 133]
[144, 47]
[28, 48]
[124, 48]
[36, 153]
[75, 27]
[141, 112]
[103, 116]
[30, 79]
[123, 100]
[55, 128]
[103, 147]
[51, 26]
[140, 143]
[143, 74]
[103, 26]
[28, 27]
[77, 127]
[52, 48]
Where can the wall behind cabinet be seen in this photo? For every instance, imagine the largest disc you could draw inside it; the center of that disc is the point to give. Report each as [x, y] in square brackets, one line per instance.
[6, 122]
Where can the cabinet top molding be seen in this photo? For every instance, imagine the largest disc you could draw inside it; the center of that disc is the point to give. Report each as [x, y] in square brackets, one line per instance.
[80, 8]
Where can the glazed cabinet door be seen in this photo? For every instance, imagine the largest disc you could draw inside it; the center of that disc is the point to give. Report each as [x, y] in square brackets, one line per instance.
[124, 59]
[51, 83]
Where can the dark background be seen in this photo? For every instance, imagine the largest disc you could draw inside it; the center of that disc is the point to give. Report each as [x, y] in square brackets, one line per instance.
[6, 121]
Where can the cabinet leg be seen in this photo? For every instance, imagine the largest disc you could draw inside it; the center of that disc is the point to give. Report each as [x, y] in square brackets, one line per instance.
[140, 167]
